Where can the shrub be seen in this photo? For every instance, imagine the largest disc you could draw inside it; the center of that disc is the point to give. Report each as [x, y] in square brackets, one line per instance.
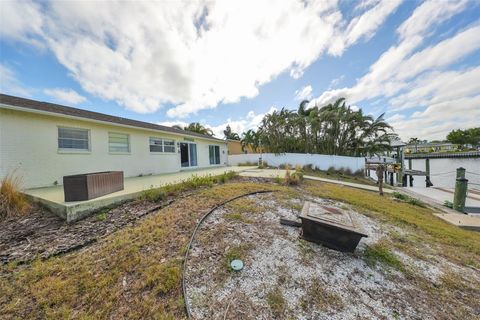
[158, 194]
[359, 173]
[400, 196]
[295, 178]
[12, 201]
[247, 164]
[278, 180]
[448, 204]
[284, 166]
[308, 168]
[331, 170]
[153, 195]
[407, 199]
[380, 253]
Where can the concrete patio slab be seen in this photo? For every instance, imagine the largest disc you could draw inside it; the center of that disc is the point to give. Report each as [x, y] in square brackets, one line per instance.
[440, 195]
[53, 197]
[461, 220]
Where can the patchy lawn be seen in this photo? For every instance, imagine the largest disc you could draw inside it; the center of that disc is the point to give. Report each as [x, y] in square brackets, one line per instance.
[412, 265]
[288, 278]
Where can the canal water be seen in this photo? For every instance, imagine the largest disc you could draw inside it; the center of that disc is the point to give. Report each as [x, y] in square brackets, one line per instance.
[443, 171]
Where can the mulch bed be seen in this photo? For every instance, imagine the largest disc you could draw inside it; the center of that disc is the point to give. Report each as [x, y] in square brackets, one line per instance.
[41, 234]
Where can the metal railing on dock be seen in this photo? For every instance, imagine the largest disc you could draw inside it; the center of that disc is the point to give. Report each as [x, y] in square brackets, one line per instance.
[469, 154]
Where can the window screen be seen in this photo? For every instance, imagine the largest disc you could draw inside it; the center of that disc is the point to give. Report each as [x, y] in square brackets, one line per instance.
[73, 139]
[118, 142]
[168, 145]
[161, 145]
[156, 145]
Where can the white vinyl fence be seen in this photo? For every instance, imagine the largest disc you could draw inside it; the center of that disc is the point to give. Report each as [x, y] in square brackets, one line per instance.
[318, 161]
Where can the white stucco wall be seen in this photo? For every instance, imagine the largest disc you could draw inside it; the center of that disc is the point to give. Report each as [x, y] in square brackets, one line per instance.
[28, 146]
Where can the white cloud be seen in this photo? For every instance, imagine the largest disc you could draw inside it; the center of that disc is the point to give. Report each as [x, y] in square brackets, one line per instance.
[336, 81]
[180, 123]
[428, 14]
[9, 83]
[413, 78]
[65, 95]
[438, 119]
[241, 125]
[303, 94]
[21, 20]
[437, 87]
[194, 55]
[386, 75]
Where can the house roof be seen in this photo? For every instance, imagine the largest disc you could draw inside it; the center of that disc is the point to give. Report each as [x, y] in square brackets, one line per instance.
[33, 105]
[397, 143]
[430, 144]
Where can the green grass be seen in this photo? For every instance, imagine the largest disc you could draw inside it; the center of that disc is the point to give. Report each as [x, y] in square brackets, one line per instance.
[306, 250]
[276, 302]
[140, 262]
[194, 182]
[236, 252]
[408, 199]
[381, 253]
[135, 272]
[245, 205]
[237, 217]
[457, 244]
[102, 215]
[318, 298]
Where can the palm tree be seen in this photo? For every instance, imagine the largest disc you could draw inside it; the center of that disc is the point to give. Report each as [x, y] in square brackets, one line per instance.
[199, 128]
[415, 142]
[250, 138]
[229, 134]
[331, 129]
[302, 119]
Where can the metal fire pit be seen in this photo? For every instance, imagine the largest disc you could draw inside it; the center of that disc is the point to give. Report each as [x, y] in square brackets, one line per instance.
[91, 185]
[330, 226]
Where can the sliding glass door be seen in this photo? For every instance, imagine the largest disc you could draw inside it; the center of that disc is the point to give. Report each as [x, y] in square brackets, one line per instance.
[188, 154]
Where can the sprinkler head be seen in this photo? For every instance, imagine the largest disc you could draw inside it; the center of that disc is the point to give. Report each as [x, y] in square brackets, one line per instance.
[236, 265]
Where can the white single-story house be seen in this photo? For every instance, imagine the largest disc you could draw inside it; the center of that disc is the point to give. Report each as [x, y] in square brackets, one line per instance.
[42, 142]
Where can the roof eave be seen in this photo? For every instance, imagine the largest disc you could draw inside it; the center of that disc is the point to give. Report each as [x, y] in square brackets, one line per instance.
[61, 115]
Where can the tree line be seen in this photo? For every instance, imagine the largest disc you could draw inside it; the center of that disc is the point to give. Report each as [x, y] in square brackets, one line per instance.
[463, 137]
[335, 129]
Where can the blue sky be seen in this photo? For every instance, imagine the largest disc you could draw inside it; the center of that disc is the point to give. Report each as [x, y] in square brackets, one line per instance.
[231, 62]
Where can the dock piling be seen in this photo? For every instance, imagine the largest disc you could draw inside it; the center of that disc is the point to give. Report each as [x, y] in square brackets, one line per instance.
[428, 183]
[461, 187]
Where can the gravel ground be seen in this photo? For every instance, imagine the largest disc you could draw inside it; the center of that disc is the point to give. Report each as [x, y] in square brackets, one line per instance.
[313, 282]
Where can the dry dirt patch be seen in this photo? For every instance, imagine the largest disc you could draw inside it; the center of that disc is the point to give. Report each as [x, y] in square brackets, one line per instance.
[288, 278]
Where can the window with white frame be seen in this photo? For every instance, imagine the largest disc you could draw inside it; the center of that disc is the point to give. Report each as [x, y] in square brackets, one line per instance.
[118, 142]
[73, 139]
[161, 145]
[214, 154]
[168, 145]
